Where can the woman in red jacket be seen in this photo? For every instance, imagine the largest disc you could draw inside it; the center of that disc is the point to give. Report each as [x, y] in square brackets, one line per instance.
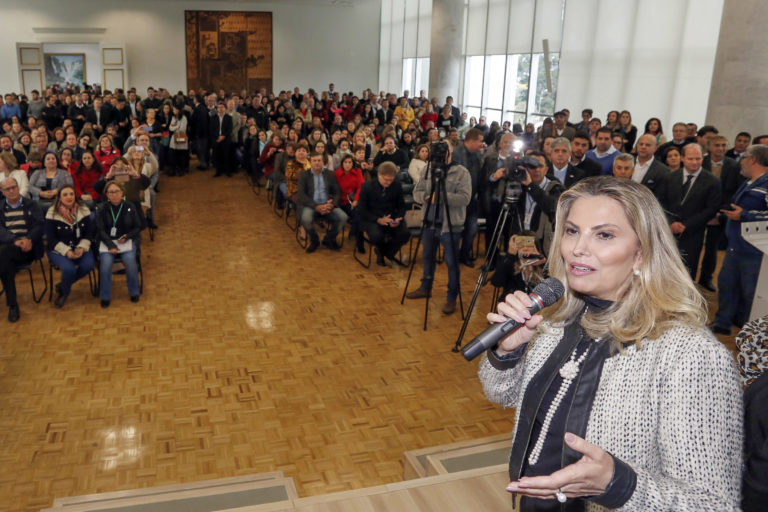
[106, 153]
[88, 172]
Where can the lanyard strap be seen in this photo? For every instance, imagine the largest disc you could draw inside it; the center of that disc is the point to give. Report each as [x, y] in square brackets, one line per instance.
[115, 217]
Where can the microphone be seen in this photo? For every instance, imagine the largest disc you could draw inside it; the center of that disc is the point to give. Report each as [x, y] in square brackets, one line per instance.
[545, 294]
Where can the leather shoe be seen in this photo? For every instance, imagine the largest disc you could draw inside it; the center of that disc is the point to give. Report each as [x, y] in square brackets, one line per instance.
[719, 329]
[707, 285]
[312, 246]
[61, 298]
[13, 314]
[104, 303]
[135, 298]
[331, 244]
[449, 307]
[419, 293]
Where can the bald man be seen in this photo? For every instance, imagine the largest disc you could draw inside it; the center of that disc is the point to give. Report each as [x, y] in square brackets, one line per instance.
[650, 171]
[693, 197]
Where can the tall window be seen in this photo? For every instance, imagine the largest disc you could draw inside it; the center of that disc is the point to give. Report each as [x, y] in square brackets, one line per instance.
[415, 75]
[511, 87]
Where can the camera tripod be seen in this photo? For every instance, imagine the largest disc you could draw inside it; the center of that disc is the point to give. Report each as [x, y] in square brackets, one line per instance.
[508, 210]
[438, 196]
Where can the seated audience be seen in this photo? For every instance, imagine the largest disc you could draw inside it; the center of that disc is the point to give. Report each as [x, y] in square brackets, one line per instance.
[68, 233]
[419, 162]
[293, 168]
[521, 267]
[106, 153]
[8, 169]
[381, 210]
[390, 153]
[118, 230]
[44, 184]
[319, 198]
[88, 172]
[350, 179]
[134, 183]
[21, 235]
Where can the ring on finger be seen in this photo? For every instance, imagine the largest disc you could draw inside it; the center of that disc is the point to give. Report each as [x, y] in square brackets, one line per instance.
[560, 495]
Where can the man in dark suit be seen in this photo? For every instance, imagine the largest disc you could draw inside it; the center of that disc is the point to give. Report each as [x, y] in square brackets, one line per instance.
[319, 196]
[6, 146]
[200, 120]
[693, 198]
[649, 171]
[561, 128]
[455, 112]
[381, 208]
[560, 151]
[679, 134]
[220, 133]
[579, 160]
[100, 115]
[729, 172]
[739, 146]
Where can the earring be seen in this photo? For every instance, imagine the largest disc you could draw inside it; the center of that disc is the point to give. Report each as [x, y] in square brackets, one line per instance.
[636, 271]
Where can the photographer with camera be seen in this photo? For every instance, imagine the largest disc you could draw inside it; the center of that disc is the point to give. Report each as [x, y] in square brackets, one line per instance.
[495, 172]
[538, 201]
[451, 212]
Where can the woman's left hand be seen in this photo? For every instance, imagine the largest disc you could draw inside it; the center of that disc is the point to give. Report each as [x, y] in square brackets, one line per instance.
[588, 477]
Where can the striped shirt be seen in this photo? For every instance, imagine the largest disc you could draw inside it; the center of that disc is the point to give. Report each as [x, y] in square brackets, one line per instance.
[13, 219]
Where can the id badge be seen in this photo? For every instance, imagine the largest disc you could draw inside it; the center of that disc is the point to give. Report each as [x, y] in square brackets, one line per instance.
[113, 232]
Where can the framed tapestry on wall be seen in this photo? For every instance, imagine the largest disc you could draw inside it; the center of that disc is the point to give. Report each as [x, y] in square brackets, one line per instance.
[229, 50]
[61, 68]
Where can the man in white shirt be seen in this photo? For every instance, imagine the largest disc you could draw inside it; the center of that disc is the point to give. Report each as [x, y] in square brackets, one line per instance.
[649, 171]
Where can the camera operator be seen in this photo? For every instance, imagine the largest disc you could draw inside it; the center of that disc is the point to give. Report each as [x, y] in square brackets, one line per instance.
[538, 201]
[458, 192]
[495, 172]
[467, 154]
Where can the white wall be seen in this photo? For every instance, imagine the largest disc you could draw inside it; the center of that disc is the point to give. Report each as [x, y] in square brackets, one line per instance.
[314, 43]
[651, 57]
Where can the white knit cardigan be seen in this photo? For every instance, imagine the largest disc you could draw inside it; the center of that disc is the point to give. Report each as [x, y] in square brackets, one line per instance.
[671, 410]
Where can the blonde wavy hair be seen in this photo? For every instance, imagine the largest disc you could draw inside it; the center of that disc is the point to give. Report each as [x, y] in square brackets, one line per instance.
[660, 297]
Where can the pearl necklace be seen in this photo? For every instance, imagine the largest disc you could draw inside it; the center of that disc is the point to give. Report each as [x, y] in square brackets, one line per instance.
[568, 372]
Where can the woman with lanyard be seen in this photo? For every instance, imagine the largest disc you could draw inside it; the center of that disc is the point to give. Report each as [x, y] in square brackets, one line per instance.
[68, 233]
[624, 399]
[118, 232]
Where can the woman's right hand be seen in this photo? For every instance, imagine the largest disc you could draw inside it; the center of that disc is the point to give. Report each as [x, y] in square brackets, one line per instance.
[515, 306]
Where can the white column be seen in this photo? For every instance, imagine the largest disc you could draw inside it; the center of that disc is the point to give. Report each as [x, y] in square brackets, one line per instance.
[445, 49]
[737, 97]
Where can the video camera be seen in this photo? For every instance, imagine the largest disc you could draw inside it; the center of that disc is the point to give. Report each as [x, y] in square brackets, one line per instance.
[518, 164]
[438, 154]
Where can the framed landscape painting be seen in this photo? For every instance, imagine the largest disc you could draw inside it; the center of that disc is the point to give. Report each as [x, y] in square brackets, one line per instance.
[61, 68]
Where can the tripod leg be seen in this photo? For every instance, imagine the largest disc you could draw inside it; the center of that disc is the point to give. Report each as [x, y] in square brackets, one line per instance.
[483, 273]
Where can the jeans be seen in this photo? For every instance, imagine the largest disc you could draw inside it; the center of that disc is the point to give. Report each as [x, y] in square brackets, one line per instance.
[131, 272]
[72, 270]
[450, 242]
[337, 218]
[736, 285]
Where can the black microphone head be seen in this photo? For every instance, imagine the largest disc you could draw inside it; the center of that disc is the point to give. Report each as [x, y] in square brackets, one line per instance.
[550, 290]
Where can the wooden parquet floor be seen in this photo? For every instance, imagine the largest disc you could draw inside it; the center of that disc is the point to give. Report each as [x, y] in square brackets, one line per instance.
[245, 355]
